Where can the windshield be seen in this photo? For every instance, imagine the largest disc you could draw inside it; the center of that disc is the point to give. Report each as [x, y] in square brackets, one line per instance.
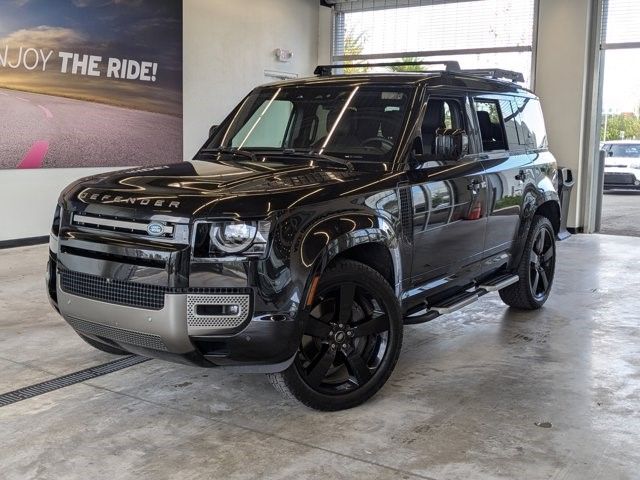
[625, 150]
[354, 123]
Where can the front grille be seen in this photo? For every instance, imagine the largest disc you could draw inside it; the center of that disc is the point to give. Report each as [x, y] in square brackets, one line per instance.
[116, 224]
[130, 294]
[619, 178]
[131, 337]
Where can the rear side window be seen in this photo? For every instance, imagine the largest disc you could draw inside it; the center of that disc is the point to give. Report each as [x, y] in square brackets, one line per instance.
[510, 117]
[532, 131]
[490, 122]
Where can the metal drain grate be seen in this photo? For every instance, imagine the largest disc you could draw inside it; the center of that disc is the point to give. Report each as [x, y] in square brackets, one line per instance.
[70, 379]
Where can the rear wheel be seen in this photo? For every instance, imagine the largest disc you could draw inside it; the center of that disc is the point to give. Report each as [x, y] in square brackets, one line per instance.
[536, 269]
[351, 341]
[103, 346]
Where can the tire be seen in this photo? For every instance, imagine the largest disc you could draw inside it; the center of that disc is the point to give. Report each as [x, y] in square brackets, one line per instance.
[351, 341]
[104, 347]
[536, 268]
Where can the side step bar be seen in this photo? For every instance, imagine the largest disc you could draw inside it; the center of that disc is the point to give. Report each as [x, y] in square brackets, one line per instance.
[461, 300]
[499, 283]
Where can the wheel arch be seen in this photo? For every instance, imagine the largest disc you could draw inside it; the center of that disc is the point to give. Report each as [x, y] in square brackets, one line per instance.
[365, 238]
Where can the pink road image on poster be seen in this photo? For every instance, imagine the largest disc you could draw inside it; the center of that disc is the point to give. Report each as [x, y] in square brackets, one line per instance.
[90, 84]
[35, 155]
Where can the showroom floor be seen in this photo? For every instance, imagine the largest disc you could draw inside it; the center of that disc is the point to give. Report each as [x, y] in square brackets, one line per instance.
[483, 393]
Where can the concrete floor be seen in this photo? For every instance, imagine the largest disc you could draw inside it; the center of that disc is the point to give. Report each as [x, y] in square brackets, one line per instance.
[463, 402]
[621, 213]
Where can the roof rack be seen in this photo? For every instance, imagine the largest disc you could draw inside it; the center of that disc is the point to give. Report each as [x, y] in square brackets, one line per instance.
[450, 66]
[325, 70]
[496, 73]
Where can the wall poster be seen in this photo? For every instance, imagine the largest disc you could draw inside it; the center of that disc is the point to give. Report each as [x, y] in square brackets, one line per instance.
[90, 83]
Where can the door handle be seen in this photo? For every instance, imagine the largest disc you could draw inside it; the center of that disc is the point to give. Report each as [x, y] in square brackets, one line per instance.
[476, 185]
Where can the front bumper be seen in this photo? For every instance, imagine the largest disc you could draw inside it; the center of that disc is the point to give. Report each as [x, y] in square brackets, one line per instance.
[174, 329]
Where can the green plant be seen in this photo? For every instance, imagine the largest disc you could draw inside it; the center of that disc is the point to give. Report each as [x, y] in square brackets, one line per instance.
[408, 68]
[353, 46]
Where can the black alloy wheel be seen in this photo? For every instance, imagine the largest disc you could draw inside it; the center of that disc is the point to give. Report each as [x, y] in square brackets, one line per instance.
[536, 268]
[351, 340]
[542, 263]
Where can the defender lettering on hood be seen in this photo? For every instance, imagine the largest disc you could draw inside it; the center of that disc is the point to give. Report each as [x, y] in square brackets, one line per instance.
[118, 199]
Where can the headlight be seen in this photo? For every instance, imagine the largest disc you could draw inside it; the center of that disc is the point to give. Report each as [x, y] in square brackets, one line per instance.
[55, 225]
[218, 239]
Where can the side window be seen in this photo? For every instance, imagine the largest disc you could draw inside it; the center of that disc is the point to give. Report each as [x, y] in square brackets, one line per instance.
[510, 117]
[490, 122]
[533, 132]
[440, 113]
[266, 127]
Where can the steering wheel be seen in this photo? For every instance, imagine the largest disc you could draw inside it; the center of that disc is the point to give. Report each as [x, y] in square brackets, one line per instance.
[384, 142]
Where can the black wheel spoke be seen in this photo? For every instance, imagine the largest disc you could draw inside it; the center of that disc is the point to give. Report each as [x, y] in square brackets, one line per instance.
[548, 255]
[320, 366]
[539, 244]
[534, 258]
[347, 294]
[318, 327]
[545, 281]
[535, 281]
[378, 324]
[358, 368]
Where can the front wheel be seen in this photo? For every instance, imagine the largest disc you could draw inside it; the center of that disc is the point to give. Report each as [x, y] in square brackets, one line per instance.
[536, 269]
[351, 341]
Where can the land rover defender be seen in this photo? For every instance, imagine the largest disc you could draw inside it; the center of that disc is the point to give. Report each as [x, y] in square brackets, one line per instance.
[320, 217]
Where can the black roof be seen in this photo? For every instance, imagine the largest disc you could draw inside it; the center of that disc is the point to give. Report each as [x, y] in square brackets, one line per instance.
[464, 81]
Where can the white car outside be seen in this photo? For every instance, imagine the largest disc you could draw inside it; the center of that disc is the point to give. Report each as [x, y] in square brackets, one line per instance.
[622, 164]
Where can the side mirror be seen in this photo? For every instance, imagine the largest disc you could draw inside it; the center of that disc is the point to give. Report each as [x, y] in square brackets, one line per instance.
[451, 143]
[212, 130]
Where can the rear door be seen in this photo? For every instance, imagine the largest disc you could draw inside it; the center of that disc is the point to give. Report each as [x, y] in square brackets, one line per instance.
[508, 166]
[449, 198]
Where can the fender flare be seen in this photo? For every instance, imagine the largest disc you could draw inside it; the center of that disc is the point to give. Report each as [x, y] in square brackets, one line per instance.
[329, 237]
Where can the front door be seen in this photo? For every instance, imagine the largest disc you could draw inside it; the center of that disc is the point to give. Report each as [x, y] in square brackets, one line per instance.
[449, 203]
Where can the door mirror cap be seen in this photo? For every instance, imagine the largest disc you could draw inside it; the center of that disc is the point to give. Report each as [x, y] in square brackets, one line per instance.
[212, 130]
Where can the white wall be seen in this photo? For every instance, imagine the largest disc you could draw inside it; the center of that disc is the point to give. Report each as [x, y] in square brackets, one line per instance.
[227, 46]
[562, 74]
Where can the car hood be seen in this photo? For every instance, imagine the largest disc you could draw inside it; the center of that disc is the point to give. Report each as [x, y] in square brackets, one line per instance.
[203, 189]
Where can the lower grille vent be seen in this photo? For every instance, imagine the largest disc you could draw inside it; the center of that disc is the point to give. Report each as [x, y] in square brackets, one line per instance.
[130, 294]
[139, 339]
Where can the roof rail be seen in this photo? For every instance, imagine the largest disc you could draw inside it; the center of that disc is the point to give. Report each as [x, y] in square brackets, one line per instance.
[325, 70]
[449, 66]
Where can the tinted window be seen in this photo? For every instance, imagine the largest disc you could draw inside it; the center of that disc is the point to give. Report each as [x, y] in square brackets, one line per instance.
[510, 116]
[624, 150]
[532, 130]
[490, 122]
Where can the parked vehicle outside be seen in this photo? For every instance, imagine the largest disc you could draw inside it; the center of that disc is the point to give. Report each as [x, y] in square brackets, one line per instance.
[622, 165]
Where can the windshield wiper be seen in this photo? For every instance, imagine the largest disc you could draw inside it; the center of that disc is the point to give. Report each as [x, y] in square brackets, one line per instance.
[319, 156]
[231, 151]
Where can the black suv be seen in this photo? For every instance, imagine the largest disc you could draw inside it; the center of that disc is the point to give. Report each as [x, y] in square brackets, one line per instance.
[319, 218]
